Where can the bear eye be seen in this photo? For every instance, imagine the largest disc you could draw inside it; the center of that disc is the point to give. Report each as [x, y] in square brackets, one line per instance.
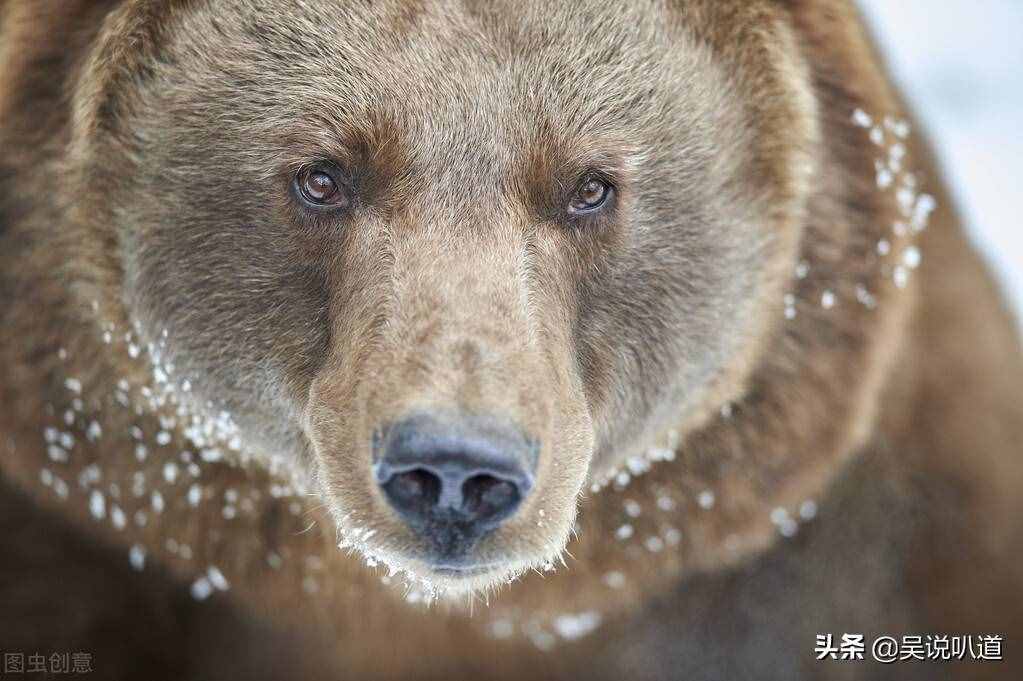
[592, 194]
[321, 185]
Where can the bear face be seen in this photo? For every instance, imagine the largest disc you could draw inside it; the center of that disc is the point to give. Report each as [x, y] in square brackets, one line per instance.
[528, 237]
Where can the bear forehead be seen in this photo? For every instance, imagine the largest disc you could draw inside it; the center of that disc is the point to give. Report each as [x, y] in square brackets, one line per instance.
[496, 85]
[478, 62]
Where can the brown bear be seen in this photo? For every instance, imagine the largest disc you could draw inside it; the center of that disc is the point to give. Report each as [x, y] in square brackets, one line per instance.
[479, 339]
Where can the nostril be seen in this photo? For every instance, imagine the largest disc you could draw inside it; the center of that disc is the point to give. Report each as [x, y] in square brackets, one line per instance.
[416, 490]
[487, 498]
[453, 481]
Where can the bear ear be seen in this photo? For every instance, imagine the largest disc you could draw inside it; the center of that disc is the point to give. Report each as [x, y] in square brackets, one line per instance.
[130, 44]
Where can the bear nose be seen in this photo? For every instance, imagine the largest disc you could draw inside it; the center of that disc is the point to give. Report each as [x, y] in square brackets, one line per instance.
[452, 480]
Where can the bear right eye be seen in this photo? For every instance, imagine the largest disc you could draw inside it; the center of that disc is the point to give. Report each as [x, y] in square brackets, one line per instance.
[321, 186]
[592, 194]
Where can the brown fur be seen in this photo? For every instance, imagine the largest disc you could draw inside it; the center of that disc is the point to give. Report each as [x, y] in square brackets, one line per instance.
[147, 152]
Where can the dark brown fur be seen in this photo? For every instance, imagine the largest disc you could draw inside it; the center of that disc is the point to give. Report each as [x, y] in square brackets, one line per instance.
[146, 148]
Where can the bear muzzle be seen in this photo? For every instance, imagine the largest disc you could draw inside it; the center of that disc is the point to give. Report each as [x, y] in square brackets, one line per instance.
[453, 479]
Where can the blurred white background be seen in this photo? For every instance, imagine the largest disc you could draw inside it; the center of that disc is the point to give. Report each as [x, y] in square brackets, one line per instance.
[961, 64]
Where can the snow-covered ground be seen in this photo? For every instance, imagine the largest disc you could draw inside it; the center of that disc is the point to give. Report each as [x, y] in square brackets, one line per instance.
[961, 63]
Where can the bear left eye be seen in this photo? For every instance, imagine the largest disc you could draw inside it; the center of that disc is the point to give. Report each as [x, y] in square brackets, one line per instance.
[592, 194]
[321, 185]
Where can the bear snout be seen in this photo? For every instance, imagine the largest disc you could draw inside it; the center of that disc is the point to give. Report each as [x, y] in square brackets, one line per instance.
[453, 479]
